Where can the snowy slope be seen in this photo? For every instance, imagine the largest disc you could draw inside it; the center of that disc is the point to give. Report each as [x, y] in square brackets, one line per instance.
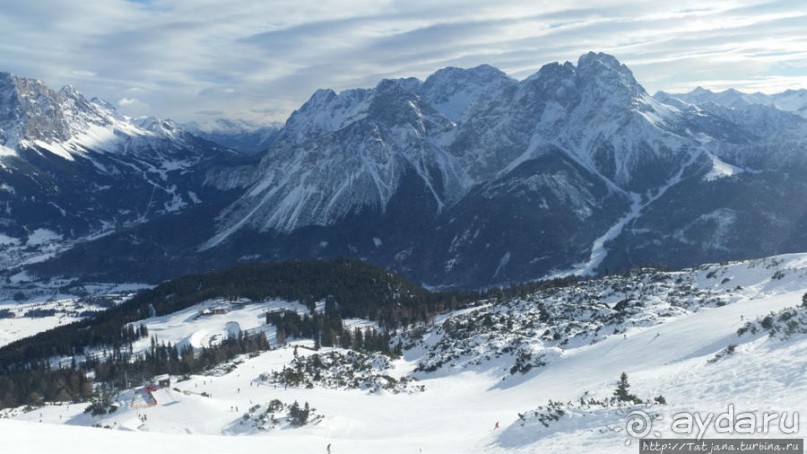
[669, 342]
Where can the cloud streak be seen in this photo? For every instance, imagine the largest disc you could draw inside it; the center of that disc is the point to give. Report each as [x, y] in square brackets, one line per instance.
[260, 60]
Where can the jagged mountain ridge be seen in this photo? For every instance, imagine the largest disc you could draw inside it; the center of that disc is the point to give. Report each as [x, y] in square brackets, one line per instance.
[537, 175]
[456, 130]
[66, 124]
[792, 101]
[375, 136]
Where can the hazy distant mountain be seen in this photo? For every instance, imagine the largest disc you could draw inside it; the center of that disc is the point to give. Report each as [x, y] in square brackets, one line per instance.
[793, 101]
[240, 135]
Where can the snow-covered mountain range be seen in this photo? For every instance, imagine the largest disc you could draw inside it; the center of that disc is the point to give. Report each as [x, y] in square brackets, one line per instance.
[471, 178]
[793, 101]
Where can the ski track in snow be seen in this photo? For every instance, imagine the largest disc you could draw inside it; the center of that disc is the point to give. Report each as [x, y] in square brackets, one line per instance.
[598, 250]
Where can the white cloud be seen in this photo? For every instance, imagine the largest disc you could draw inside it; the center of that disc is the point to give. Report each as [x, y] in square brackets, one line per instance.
[83, 74]
[134, 107]
[262, 59]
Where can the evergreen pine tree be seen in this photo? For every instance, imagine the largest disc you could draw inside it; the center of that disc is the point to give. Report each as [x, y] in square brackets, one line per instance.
[622, 392]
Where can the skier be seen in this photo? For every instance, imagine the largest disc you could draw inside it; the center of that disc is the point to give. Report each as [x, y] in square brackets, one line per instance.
[329, 448]
[497, 426]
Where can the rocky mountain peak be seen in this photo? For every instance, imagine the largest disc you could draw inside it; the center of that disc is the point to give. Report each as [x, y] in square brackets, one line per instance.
[605, 77]
[29, 110]
[452, 79]
[69, 91]
[156, 125]
[394, 103]
[105, 105]
[554, 82]
[453, 90]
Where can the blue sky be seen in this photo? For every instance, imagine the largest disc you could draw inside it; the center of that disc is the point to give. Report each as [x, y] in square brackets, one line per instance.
[260, 59]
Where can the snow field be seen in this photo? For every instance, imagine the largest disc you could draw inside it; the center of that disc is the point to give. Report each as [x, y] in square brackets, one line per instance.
[198, 325]
[460, 407]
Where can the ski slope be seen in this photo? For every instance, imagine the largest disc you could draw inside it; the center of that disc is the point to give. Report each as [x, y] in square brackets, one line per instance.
[200, 326]
[459, 408]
